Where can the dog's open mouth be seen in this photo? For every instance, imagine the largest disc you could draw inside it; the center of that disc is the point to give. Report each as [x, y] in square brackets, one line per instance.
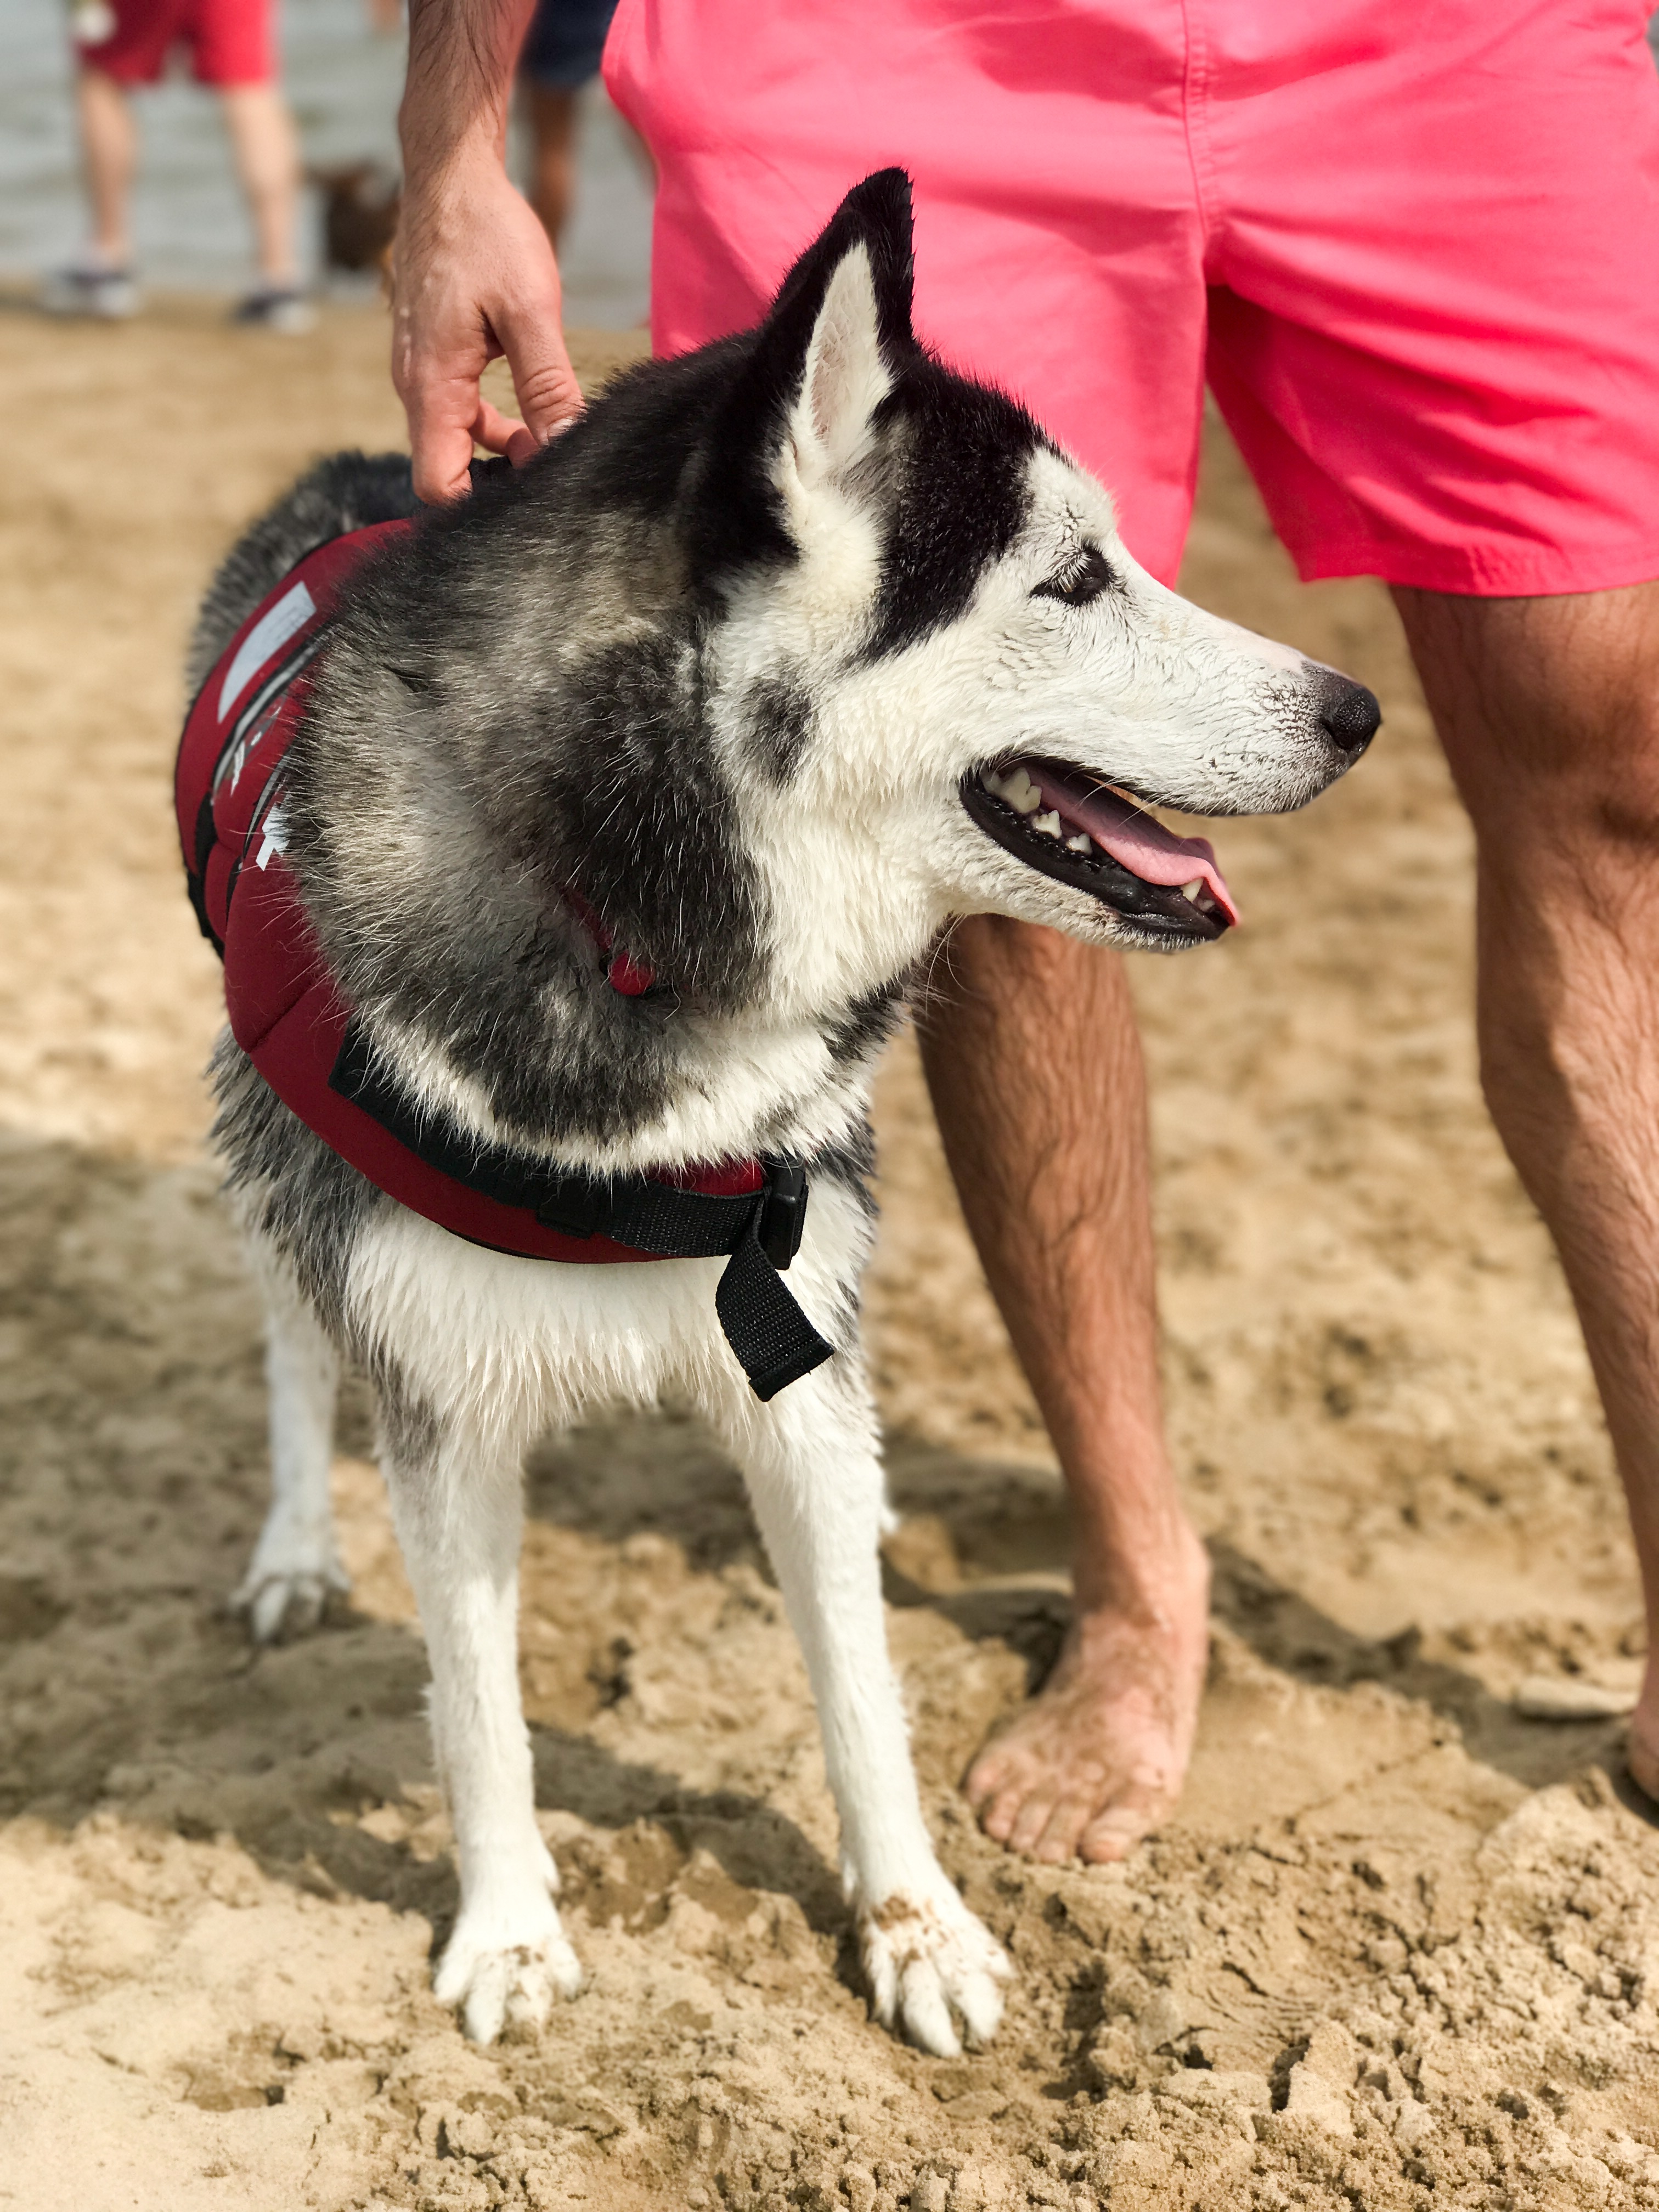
[1070, 825]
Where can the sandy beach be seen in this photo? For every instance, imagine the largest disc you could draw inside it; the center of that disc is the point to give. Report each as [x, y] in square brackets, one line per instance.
[1399, 1948]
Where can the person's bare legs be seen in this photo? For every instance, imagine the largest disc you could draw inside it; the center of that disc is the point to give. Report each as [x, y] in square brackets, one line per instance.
[267, 157]
[109, 142]
[1035, 1066]
[1549, 712]
[551, 109]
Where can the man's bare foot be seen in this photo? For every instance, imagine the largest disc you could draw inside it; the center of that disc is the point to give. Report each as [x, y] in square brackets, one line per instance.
[1642, 1753]
[1097, 1758]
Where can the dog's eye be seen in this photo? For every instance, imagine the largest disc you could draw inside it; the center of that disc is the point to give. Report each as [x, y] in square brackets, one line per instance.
[1082, 580]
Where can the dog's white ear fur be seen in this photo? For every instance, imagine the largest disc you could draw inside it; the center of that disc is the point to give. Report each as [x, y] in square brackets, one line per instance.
[845, 379]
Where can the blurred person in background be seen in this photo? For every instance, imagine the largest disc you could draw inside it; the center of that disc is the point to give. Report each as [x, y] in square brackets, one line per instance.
[561, 54]
[122, 43]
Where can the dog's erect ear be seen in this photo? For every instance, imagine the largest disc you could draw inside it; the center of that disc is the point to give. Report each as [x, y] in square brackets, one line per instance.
[841, 321]
[819, 366]
[845, 379]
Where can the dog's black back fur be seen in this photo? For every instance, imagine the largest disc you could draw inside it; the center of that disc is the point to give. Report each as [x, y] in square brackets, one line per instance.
[347, 491]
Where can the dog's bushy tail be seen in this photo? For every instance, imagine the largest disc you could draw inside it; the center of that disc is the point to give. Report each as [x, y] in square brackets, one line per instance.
[347, 491]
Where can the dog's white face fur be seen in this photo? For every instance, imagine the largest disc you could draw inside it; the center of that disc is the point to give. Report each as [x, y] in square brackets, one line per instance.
[792, 652]
[869, 848]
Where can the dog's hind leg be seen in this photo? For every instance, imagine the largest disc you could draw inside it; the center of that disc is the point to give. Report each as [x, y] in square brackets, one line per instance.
[810, 1459]
[294, 1566]
[456, 1504]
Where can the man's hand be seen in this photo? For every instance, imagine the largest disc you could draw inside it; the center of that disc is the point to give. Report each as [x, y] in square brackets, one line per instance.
[474, 277]
[473, 273]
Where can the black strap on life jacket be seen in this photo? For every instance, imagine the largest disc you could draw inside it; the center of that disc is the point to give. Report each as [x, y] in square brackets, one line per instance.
[760, 1230]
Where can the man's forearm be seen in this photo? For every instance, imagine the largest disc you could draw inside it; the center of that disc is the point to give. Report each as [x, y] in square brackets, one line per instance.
[462, 55]
[473, 273]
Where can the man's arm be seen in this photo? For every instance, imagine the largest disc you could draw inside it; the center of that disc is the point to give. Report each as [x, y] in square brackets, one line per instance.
[474, 276]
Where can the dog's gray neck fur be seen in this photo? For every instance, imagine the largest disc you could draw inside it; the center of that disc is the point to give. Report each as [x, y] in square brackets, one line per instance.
[472, 752]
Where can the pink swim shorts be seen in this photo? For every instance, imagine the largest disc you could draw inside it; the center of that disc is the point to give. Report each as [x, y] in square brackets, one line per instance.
[1415, 249]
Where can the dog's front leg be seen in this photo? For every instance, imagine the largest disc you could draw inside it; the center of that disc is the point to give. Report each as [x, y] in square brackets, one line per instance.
[814, 1476]
[456, 1502]
[296, 1566]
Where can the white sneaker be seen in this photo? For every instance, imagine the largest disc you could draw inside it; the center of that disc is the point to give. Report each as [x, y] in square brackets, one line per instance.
[88, 288]
[275, 308]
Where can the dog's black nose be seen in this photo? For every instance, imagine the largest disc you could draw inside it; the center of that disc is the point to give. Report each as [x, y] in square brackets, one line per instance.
[1348, 714]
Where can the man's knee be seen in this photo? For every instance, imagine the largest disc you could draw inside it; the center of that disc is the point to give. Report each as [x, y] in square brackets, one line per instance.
[1549, 712]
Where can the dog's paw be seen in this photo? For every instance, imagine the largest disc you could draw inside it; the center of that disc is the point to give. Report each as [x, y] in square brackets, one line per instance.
[930, 1963]
[280, 1601]
[501, 1983]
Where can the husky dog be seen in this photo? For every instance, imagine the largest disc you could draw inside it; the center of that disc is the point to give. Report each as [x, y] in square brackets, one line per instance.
[790, 651]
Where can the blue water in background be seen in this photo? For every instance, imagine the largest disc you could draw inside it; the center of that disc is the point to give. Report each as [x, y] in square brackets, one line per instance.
[343, 80]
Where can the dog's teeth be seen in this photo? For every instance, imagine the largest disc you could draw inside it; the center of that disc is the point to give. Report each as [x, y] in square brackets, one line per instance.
[1049, 824]
[1021, 793]
[991, 782]
[1192, 890]
[1079, 843]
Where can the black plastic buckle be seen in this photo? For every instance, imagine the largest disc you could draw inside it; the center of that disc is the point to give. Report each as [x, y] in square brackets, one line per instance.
[783, 1216]
[576, 1205]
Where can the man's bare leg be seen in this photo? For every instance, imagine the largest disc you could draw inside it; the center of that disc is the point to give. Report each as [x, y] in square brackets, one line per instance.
[1549, 712]
[267, 157]
[109, 140]
[1036, 1071]
[552, 111]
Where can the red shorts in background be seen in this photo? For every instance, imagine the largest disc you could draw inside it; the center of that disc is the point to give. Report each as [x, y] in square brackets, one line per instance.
[228, 41]
[1415, 248]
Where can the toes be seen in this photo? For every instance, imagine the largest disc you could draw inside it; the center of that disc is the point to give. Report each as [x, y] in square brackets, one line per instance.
[509, 1987]
[1105, 1841]
[1032, 1821]
[1063, 1833]
[997, 1818]
[930, 1964]
[264, 1614]
[927, 2011]
[979, 1999]
[984, 1778]
[485, 2007]
[1113, 1835]
[933, 1991]
[453, 1971]
[881, 1972]
[563, 1967]
[285, 1605]
[291, 1603]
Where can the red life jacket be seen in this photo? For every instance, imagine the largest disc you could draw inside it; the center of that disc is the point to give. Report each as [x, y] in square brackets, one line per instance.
[289, 1016]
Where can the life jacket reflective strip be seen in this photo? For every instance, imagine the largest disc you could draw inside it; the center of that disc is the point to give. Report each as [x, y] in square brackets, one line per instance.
[290, 1016]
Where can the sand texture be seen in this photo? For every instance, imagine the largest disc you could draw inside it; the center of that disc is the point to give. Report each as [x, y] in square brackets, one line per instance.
[1399, 1949]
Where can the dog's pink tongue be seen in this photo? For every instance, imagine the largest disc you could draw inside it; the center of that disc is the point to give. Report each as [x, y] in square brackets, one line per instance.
[1135, 838]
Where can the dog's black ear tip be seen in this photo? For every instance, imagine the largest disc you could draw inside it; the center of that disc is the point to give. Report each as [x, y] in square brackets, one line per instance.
[882, 207]
[890, 189]
[879, 212]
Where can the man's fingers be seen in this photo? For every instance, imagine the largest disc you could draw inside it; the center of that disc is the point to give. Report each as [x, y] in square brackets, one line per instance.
[442, 454]
[545, 383]
[504, 434]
